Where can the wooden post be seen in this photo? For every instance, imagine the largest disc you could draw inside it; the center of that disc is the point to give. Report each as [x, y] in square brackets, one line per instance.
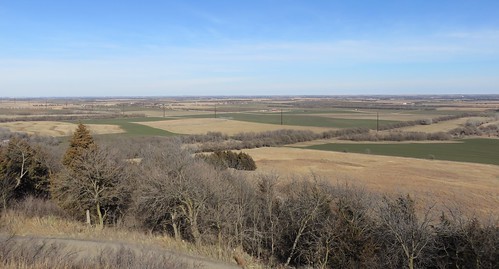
[88, 217]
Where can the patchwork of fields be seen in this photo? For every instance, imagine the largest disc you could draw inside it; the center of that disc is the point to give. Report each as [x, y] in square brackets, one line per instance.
[462, 172]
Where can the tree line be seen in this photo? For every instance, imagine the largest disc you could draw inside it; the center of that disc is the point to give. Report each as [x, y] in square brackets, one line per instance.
[302, 221]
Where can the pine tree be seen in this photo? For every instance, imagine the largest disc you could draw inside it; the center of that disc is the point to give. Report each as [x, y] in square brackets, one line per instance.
[82, 140]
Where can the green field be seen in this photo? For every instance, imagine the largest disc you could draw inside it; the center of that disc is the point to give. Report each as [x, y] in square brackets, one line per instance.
[132, 128]
[468, 150]
[298, 120]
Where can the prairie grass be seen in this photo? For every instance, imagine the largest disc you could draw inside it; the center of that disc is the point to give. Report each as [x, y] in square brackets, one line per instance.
[36, 218]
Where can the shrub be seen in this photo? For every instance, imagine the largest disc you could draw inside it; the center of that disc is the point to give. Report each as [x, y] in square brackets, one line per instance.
[229, 159]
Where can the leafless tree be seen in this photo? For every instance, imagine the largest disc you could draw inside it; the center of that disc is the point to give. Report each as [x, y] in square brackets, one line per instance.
[303, 207]
[23, 171]
[411, 233]
[96, 181]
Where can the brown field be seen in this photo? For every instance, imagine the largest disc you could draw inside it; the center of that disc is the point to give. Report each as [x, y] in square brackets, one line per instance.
[55, 128]
[474, 187]
[226, 126]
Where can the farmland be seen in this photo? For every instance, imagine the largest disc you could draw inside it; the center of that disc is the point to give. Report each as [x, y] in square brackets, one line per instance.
[132, 127]
[468, 150]
[469, 185]
[306, 150]
[57, 129]
[226, 126]
[299, 119]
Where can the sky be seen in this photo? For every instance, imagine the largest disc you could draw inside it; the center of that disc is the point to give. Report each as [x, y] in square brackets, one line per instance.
[277, 47]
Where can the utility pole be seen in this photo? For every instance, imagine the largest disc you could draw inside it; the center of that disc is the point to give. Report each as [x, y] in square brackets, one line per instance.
[215, 111]
[164, 113]
[377, 122]
[123, 109]
[281, 116]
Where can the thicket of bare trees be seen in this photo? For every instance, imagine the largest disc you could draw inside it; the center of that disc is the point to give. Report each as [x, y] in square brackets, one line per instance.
[397, 136]
[297, 222]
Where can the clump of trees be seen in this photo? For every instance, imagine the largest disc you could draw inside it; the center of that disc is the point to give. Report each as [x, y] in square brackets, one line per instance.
[230, 159]
[397, 136]
[476, 128]
[430, 121]
[93, 178]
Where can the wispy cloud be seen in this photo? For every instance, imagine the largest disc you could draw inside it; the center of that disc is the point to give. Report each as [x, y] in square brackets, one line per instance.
[263, 67]
[490, 34]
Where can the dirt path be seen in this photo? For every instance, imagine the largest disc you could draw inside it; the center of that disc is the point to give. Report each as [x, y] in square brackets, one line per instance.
[93, 248]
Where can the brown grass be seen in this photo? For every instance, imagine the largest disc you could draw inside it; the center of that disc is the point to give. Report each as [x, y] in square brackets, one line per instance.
[55, 128]
[230, 127]
[16, 222]
[474, 187]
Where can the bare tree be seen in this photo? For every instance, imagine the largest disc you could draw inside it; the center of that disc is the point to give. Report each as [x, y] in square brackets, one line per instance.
[23, 171]
[96, 181]
[304, 206]
[174, 192]
[411, 233]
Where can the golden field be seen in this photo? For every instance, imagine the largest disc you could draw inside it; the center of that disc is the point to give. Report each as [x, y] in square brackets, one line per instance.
[56, 128]
[472, 186]
[226, 126]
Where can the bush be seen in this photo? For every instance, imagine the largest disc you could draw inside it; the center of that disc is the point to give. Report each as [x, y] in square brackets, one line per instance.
[229, 159]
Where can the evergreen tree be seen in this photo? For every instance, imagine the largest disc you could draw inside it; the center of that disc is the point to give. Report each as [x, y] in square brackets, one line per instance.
[81, 141]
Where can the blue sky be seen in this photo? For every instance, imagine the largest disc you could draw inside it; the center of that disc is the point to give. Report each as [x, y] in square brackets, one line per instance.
[169, 48]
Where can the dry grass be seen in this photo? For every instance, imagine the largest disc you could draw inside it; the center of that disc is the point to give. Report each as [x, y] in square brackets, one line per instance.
[226, 126]
[474, 187]
[15, 222]
[45, 253]
[55, 128]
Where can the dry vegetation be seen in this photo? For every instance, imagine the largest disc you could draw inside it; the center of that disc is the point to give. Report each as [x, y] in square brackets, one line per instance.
[56, 128]
[69, 236]
[473, 186]
[225, 126]
[443, 126]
